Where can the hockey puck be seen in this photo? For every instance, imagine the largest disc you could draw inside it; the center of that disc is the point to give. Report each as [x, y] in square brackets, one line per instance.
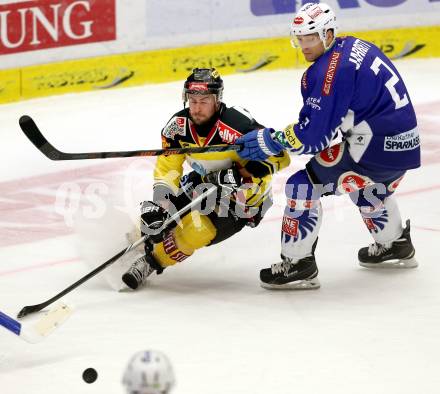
[90, 375]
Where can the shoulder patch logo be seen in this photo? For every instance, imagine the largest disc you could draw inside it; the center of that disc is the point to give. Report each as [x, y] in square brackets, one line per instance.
[331, 73]
[176, 126]
[227, 134]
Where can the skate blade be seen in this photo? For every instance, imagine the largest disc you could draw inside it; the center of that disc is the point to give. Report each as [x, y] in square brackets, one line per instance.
[307, 284]
[393, 264]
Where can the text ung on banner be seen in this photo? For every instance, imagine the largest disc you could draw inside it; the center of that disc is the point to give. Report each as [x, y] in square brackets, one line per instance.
[41, 24]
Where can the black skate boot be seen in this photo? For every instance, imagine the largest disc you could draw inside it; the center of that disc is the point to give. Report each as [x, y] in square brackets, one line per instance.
[140, 270]
[292, 274]
[397, 254]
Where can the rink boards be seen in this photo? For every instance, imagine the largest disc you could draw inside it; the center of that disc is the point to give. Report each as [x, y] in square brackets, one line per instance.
[107, 72]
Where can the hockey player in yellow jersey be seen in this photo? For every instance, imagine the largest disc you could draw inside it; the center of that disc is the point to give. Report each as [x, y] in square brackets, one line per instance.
[243, 192]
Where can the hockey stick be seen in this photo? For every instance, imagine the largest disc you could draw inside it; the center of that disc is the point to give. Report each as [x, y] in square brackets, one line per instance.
[37, 332]
[174, 218]
[31, 130]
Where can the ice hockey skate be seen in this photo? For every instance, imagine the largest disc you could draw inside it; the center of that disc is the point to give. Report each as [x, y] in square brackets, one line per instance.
[397, 254]
[291, 275]
[139, 271]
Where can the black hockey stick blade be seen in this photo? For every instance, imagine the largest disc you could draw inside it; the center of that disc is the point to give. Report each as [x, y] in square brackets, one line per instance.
[31, 130]
[172, 219]
[38, 307]
[34, 135]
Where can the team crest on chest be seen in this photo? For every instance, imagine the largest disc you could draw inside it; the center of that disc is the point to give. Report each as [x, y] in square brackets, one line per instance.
[176, 126]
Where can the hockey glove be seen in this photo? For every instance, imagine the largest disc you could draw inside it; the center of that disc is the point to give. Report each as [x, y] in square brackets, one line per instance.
[153, 217]
[228, 180]
[258, 145]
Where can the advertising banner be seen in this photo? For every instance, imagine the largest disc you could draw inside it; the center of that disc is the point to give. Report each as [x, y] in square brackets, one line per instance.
[41, 24]
[175, 64]
[272, 7]
[131, 42]
[47, 31]
[180, 22]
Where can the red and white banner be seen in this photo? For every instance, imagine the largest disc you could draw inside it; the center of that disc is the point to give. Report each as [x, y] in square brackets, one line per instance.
[40, 24]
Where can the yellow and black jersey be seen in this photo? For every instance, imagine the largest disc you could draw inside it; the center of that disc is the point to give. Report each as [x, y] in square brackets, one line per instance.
[224, 128]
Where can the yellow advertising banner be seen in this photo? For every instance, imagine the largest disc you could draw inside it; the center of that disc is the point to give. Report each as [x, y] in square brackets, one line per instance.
[10, 85]
[175, 64]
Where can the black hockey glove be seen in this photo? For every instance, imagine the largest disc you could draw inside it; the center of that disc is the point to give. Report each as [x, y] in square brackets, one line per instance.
[153, 217]
[228, 180]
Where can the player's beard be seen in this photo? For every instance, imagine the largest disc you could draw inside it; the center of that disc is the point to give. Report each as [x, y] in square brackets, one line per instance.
[202, 120]
[199, 120]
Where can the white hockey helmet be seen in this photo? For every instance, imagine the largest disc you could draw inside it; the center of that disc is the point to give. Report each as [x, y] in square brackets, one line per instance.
[313, 18]
[148, 372]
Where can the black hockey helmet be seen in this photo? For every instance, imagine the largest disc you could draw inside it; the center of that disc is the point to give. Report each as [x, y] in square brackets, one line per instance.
[203, 81]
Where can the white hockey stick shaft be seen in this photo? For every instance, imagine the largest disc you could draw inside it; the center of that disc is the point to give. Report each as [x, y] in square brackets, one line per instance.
[175, 217]
[40, 330]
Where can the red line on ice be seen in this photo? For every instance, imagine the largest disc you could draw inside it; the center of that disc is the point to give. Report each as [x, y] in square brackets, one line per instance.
[27, 211]
[278, 218]
[38, 266]
[27, 205]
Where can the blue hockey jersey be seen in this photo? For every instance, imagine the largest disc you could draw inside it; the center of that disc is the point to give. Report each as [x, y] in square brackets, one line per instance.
[355, 89]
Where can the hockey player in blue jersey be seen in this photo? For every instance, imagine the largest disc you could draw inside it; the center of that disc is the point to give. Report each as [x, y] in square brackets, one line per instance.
[351, 89]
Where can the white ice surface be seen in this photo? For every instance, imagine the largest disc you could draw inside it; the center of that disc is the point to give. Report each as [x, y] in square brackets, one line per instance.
[364, 331]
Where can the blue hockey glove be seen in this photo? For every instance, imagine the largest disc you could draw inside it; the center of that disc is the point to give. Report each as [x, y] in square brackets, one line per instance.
[258, 145]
